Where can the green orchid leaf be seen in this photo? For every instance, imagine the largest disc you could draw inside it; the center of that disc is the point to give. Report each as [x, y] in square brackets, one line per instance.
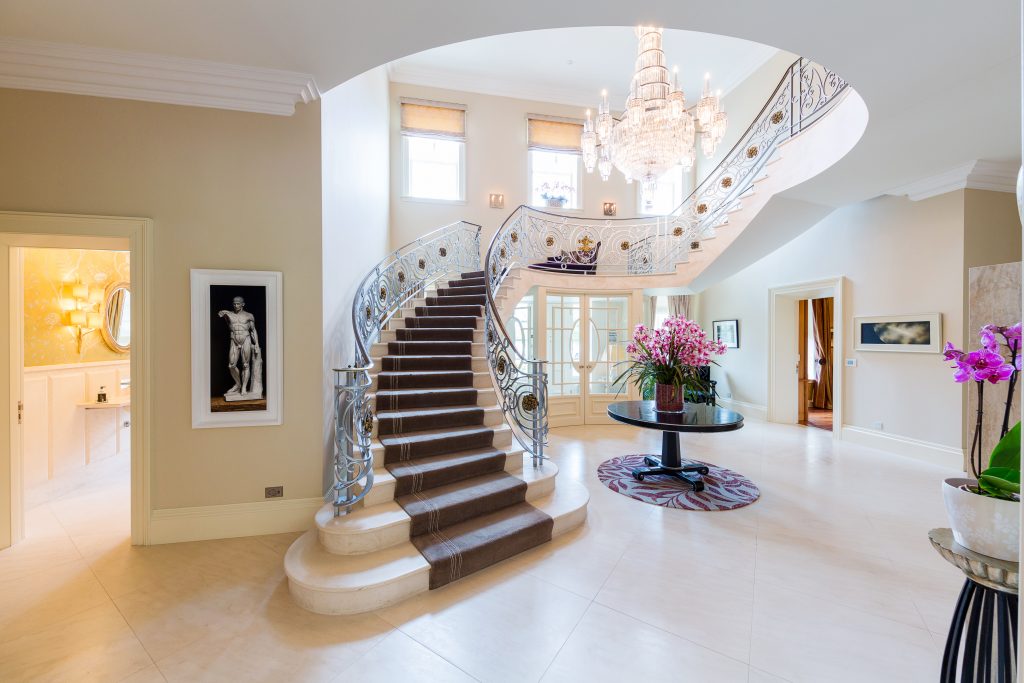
[1000, 481]
[1007, 451]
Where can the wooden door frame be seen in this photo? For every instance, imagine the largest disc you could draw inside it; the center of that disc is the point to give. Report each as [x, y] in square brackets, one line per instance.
[47, 229]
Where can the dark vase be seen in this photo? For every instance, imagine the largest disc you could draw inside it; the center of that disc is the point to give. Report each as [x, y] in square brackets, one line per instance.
[668, 398]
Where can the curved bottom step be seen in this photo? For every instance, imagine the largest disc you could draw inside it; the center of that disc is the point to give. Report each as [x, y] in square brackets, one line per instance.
[325, 583]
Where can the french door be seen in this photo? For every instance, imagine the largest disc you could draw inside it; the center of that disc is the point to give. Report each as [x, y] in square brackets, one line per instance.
[585, 336]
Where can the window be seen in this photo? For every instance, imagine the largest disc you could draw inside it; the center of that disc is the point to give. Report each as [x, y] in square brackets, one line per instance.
[666, 197]
[434, 150]
[555, 162]
[660, 310]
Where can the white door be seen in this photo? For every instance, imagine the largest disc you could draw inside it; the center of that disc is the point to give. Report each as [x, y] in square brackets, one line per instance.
[585, 340]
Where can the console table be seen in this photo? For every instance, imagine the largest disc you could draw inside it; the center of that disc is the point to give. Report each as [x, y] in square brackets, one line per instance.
[987, 607]
[697, 417]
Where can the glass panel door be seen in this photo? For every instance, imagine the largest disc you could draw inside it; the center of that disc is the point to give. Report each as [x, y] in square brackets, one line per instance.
[608, 327]
[564, 341]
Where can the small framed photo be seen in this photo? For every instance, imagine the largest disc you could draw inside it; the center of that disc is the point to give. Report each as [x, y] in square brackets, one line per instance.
[727, 331]
[236, 348]
[902, 333]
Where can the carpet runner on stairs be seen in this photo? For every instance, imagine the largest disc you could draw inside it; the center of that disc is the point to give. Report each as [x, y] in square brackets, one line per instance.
[467, 512]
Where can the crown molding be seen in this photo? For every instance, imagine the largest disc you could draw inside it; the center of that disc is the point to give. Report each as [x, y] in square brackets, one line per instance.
[975, 175]
[101, 72]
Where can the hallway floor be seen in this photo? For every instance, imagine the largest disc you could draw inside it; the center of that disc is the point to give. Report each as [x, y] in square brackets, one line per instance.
[828, 577]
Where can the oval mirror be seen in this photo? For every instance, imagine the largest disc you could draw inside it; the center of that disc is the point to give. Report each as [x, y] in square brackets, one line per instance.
[117, 317]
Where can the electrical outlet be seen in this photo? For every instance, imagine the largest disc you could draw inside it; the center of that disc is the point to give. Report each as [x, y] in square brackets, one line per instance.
[274, 492]
[851, 362]
[878, 426]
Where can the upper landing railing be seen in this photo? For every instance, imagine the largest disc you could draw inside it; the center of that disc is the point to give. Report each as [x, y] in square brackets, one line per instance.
[402, 276]
[646, 246]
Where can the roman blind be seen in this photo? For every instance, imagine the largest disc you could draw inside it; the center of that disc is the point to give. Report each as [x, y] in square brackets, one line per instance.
[553, 134]
[440, 119]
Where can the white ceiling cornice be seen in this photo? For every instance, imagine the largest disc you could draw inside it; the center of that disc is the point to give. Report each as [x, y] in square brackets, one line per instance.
[100, 72]
[974, 175]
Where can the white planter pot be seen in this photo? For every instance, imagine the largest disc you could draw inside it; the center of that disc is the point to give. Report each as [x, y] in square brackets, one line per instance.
[989, 526]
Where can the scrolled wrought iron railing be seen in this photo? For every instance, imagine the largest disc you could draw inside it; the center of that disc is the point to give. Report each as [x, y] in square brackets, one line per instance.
[637, 246]
[644, 246]
[400, 277]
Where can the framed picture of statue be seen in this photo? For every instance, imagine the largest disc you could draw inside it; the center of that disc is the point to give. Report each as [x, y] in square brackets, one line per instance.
[236, 348]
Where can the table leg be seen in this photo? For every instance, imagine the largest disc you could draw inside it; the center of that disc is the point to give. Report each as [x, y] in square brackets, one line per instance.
[672, 464]
[990, 638]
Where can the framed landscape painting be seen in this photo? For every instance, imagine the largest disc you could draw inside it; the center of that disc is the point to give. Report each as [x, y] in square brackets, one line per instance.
[236, 348]
[727, 331]
[902, 333]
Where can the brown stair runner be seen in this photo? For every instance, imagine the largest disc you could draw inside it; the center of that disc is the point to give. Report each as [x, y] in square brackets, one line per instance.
[467, 512]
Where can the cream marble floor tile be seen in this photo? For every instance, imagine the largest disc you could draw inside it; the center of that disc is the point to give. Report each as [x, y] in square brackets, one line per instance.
[94, 645]
[609, 646]
[400, 658]
[36, 554]
[803, 638]
[859, 581]
[494, 629]
[758, 676]
[685, 596]
[281, 642]
[39, 600]
[151, 674]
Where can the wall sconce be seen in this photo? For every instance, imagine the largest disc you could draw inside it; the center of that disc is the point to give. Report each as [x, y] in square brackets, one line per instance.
[497, 201]
[81, 305]
[610, 209]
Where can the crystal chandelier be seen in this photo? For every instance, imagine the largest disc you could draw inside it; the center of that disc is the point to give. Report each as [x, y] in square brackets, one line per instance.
[656, 131]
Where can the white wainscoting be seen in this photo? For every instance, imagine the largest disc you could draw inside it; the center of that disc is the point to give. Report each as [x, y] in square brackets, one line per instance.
[55, 425]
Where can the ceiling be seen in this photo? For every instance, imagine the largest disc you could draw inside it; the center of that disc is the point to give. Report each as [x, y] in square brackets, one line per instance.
[573, 65]
[941, 80]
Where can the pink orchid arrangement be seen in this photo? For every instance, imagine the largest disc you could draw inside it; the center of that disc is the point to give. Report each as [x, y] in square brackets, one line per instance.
[998, 360]
[671, 354]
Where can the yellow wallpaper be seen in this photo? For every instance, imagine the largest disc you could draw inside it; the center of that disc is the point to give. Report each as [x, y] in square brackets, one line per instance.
[48, 341]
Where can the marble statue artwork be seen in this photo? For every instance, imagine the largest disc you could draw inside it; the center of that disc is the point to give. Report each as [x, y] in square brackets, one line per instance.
[245, 349]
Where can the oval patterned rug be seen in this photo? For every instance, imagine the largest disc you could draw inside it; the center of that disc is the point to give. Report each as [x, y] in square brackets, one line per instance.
[723, 488]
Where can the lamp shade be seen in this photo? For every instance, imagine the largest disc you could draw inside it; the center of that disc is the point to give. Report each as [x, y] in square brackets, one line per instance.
[93, 320]
[80, 291]
[77, 317]
[67, 304]
[96, 295]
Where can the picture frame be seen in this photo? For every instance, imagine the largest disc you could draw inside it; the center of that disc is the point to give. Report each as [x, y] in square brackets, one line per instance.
[237, 348]
[727, 331]
[920, 333]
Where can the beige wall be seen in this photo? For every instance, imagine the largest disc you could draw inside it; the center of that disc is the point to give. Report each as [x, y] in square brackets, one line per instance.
[897, 256]
[48, 338]
[225, 190]
[496, 161]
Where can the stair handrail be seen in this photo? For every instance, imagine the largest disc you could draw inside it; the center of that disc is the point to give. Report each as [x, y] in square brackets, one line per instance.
[805, 93]
[399, 277]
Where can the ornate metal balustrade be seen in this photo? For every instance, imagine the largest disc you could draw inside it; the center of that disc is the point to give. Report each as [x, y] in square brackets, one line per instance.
[528, 237]
[404, 275]
[655, 245]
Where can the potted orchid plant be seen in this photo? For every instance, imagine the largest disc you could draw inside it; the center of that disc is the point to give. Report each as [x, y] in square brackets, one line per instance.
[670, 358]
[984, 511]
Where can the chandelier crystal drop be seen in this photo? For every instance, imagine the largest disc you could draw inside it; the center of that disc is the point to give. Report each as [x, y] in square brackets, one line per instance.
[656, 131]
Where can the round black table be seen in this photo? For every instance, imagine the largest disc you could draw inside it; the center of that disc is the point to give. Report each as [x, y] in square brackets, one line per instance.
[697, 417]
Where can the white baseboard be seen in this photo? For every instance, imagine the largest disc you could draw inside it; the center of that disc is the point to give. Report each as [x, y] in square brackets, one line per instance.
[174, 525]
[747, 409]
[946, 457]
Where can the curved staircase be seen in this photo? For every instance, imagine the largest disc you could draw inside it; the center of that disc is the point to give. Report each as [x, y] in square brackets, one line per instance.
[453, 496]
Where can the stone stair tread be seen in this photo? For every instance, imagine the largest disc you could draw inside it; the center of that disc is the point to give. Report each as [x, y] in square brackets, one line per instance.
[406, 413]
[310, 565]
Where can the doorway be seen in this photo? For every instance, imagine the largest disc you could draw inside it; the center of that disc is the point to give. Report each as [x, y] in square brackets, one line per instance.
[19, 231]
[76, 389]
[585, 337]
[817, 362]
[792, 324]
